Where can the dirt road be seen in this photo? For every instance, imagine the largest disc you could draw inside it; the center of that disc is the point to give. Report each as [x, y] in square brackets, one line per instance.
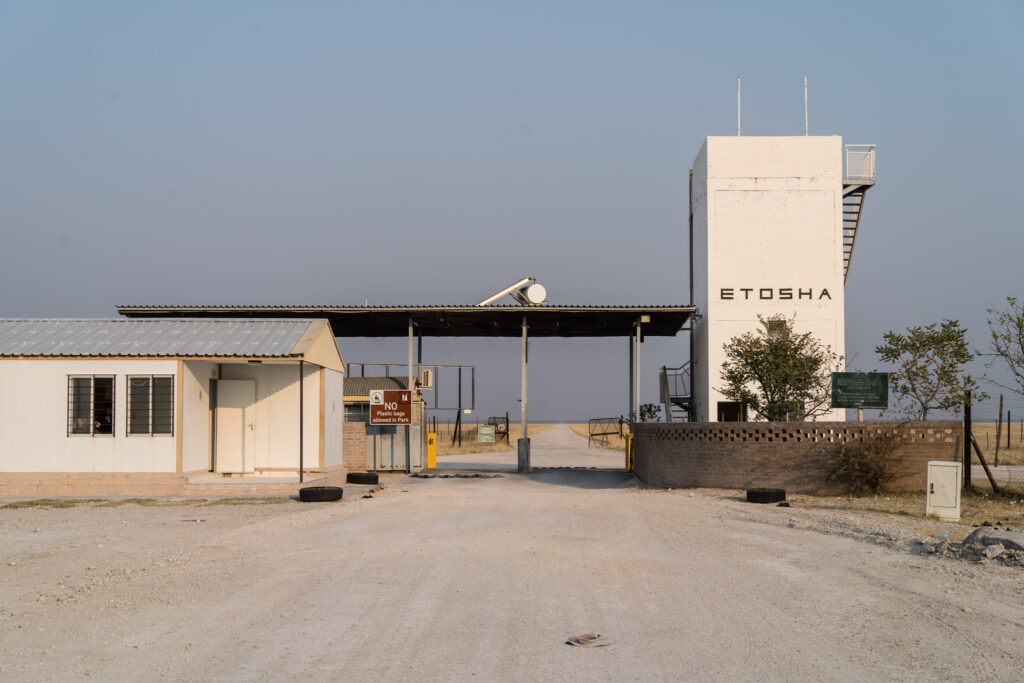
[484, 579]
[556, 446]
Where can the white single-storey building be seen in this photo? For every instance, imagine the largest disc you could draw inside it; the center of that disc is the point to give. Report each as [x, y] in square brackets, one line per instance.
[170, 396]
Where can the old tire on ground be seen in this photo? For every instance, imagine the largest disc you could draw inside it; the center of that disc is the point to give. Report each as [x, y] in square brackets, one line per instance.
[766, 495]
[320, 494]
[363, 478]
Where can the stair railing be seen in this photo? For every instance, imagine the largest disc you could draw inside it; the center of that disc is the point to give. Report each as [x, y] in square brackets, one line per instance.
[675, 386]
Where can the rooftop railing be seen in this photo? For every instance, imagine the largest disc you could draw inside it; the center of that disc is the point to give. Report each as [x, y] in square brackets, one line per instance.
[860, 162]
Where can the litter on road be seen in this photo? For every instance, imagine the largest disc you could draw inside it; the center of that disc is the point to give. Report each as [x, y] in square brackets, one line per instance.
[588, 640]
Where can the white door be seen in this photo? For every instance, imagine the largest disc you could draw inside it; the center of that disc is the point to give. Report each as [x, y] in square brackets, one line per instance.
[236, 425]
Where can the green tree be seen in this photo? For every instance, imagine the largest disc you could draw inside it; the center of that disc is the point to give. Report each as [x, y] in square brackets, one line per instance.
[778, 373]
[650, 412]
[1007, 337]
[930, 374]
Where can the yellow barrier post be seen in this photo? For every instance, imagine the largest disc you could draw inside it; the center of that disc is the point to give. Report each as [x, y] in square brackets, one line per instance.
[431, 450]
[629, 452]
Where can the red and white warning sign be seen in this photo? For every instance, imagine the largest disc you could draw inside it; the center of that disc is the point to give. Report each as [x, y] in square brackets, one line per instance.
[390, 407]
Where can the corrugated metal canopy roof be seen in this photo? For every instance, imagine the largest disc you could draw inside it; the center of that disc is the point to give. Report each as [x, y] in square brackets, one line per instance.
[453, 321]
[362, 386]
[263, 338]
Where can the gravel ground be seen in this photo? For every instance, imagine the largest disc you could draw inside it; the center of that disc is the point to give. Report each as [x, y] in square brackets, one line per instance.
[485, 579]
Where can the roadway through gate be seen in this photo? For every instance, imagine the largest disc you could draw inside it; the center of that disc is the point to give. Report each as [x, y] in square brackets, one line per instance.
[555, 446]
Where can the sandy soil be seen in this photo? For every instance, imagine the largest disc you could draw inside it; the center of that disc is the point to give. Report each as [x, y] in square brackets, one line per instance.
[484, 579]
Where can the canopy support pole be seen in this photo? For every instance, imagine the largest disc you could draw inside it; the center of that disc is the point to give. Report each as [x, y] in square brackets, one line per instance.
[636, 401]
[412, 408]
[524, 440]
[632, 410]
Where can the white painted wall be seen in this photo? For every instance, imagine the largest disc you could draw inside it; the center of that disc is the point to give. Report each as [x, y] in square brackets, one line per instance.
[767, 229]
[277, 412]
[311, 417]
[334, 417]
[196, 427]
[34, 411]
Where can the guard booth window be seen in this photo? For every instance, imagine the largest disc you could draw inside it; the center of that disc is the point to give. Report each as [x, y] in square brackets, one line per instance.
[357, 412]
[151, 405]
[91, 405]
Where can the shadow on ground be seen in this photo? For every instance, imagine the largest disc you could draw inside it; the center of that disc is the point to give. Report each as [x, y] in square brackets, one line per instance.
[583, 478]
[575, 477]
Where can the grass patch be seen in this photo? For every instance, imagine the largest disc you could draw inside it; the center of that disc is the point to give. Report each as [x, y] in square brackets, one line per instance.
[51, 503]
[150, 502]
[976, 506]
[246, 501]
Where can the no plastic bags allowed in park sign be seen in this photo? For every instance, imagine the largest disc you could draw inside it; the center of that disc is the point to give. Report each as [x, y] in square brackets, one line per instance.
[390, 407]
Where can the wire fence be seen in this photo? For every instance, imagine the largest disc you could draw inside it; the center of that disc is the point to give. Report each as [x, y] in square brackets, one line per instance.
[1002, 446]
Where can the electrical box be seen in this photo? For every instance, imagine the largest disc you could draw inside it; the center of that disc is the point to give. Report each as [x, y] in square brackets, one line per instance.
[427, 378]
[943, 495]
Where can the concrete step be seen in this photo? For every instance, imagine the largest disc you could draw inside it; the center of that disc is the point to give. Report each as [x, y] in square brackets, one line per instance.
[78, 484]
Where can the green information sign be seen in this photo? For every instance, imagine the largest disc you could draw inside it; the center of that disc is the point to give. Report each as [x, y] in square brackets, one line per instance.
[860, 390]
[485, 433]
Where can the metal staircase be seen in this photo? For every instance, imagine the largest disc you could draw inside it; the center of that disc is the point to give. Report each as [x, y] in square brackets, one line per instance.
[857, 180]
[677, 393]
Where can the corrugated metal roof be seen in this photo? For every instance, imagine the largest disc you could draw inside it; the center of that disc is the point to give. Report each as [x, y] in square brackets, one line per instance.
[263, 338]
[362, 386]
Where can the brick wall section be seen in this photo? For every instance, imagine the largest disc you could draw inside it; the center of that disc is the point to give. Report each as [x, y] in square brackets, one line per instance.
[789, 455]
[353, 447]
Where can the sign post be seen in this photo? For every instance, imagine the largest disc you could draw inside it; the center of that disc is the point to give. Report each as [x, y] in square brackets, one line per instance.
[860, 390]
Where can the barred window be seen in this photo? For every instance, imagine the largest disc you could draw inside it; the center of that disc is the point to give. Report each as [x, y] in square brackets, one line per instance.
[91, 405]
[151, 404]
[357, 412]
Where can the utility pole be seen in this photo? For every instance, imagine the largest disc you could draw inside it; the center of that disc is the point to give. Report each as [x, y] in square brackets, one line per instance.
[967, 439]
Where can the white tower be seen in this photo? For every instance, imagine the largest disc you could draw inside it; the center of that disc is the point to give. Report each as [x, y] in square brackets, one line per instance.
[772, 229]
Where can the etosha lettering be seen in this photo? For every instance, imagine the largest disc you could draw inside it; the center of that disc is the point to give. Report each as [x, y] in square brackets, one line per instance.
[772, 293]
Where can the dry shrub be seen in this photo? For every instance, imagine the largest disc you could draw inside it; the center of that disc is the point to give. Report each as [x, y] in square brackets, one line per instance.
[868, 467]
[50, 503]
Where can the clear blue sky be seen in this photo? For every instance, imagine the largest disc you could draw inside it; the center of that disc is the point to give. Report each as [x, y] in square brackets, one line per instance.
[293, 153]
